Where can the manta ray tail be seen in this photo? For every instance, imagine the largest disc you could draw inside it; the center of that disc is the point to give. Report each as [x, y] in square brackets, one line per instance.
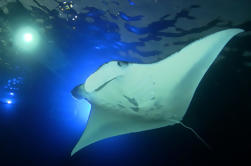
[196, 134]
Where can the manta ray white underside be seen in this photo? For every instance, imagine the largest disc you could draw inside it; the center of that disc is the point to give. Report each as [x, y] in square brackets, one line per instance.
[128, 97]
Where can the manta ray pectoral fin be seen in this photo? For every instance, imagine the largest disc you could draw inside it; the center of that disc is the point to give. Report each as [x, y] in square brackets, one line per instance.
[105, 123]
[185, 69]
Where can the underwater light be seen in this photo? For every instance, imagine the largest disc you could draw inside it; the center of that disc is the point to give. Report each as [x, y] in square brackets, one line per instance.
[9, 102]
[27, 38]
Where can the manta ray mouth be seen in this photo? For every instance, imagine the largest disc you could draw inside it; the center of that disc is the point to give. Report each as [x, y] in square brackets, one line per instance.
[103, 85]
[80, 93]
[99, 80]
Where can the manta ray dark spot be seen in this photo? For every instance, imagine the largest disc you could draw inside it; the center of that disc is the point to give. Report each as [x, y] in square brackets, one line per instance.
[121, 106]
[157, 105]
[153, 98]
[132, 100]
[136, 109]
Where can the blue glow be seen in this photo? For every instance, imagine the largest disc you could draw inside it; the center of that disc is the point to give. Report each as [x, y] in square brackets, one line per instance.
[131, 2]
[14, 85]
[82, 110]
[9, 101]
[129, 18]
[136, 30]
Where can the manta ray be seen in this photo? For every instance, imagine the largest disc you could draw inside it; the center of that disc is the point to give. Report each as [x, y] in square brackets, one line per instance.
[130, 97]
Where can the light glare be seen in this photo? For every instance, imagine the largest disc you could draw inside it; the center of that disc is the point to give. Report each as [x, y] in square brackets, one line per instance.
[27, 37]
[9, 102]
